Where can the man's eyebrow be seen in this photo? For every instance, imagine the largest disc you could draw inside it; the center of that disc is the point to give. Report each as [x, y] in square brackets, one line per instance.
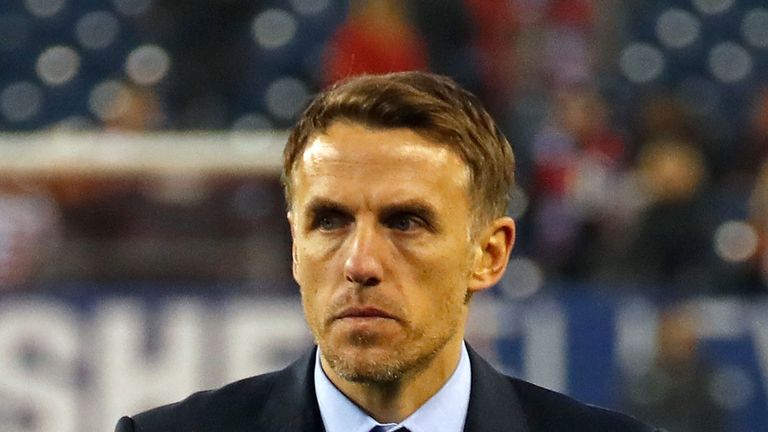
[321, 205]
[417, 207]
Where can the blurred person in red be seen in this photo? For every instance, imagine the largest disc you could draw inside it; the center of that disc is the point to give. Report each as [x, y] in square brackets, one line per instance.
[507, 31]
[578, 160]
[376, 38]
[497, 25]
[397, 188]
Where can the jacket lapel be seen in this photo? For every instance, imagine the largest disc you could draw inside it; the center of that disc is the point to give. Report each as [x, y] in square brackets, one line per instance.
[292, 405]
[493, 404]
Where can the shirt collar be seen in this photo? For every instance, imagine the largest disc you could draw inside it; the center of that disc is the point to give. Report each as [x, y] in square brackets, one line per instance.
[444, 411]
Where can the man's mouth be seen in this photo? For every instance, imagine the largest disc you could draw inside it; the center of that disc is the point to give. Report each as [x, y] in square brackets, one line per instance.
[364, 312]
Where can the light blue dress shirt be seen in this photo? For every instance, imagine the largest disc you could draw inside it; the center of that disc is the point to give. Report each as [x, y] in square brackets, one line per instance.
[446, 411]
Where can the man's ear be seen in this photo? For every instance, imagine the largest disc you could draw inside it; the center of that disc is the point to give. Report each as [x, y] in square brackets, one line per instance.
[494, 247]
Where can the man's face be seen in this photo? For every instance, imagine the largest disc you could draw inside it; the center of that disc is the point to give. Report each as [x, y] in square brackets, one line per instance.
[382, 247]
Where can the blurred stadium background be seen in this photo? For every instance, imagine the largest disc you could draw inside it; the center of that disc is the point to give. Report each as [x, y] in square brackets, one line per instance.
[144, 252]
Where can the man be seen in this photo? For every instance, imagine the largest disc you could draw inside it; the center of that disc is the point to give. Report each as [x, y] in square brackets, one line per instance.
[397, 187]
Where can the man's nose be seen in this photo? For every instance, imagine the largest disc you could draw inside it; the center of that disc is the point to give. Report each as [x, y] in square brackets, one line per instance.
[363, 265]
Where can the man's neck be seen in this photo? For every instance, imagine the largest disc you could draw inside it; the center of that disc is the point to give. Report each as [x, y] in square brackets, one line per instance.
[393, 402]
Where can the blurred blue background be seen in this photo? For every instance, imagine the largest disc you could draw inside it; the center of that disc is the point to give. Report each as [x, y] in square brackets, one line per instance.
[139, 165]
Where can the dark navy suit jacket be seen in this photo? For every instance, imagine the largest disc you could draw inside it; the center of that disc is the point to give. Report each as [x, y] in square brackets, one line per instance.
[285, 401]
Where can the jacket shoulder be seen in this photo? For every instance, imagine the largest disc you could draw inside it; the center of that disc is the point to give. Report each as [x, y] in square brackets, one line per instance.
[277, 401]
[212, 410]
[547, 410]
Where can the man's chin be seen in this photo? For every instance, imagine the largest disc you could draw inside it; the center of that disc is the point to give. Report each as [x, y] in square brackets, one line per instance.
[367, 369]
[376, 357]
[364, 362]
[377, 377]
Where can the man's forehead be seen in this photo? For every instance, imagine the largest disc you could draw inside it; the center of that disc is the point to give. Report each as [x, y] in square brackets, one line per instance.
[382, 165]
[345, 142]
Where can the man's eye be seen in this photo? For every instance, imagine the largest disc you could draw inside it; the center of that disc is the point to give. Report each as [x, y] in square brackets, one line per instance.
[329, 222]
[404, 222]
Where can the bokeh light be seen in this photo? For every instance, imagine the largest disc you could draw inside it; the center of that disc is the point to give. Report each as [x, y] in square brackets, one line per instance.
[147, 65]
[730, 62]
[754, 28]
[641, 63]
[57, 65]
[97, 30]
[44, 8]
[713, 7]
[21, 101]
[105, 101]
[522, 279]
[677, 28]
[285, 97]
[736, 241]
[274, 28]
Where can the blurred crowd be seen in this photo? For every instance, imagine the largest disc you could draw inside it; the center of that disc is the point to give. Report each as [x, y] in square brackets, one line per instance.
[640, 128]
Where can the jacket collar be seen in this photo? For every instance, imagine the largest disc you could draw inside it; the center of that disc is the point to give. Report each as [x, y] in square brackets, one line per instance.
[493, 404]
[292, 405]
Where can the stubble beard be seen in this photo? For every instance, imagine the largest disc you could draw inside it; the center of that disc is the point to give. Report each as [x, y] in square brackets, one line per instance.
[398, 362]
[401, 359]
[353, 359]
